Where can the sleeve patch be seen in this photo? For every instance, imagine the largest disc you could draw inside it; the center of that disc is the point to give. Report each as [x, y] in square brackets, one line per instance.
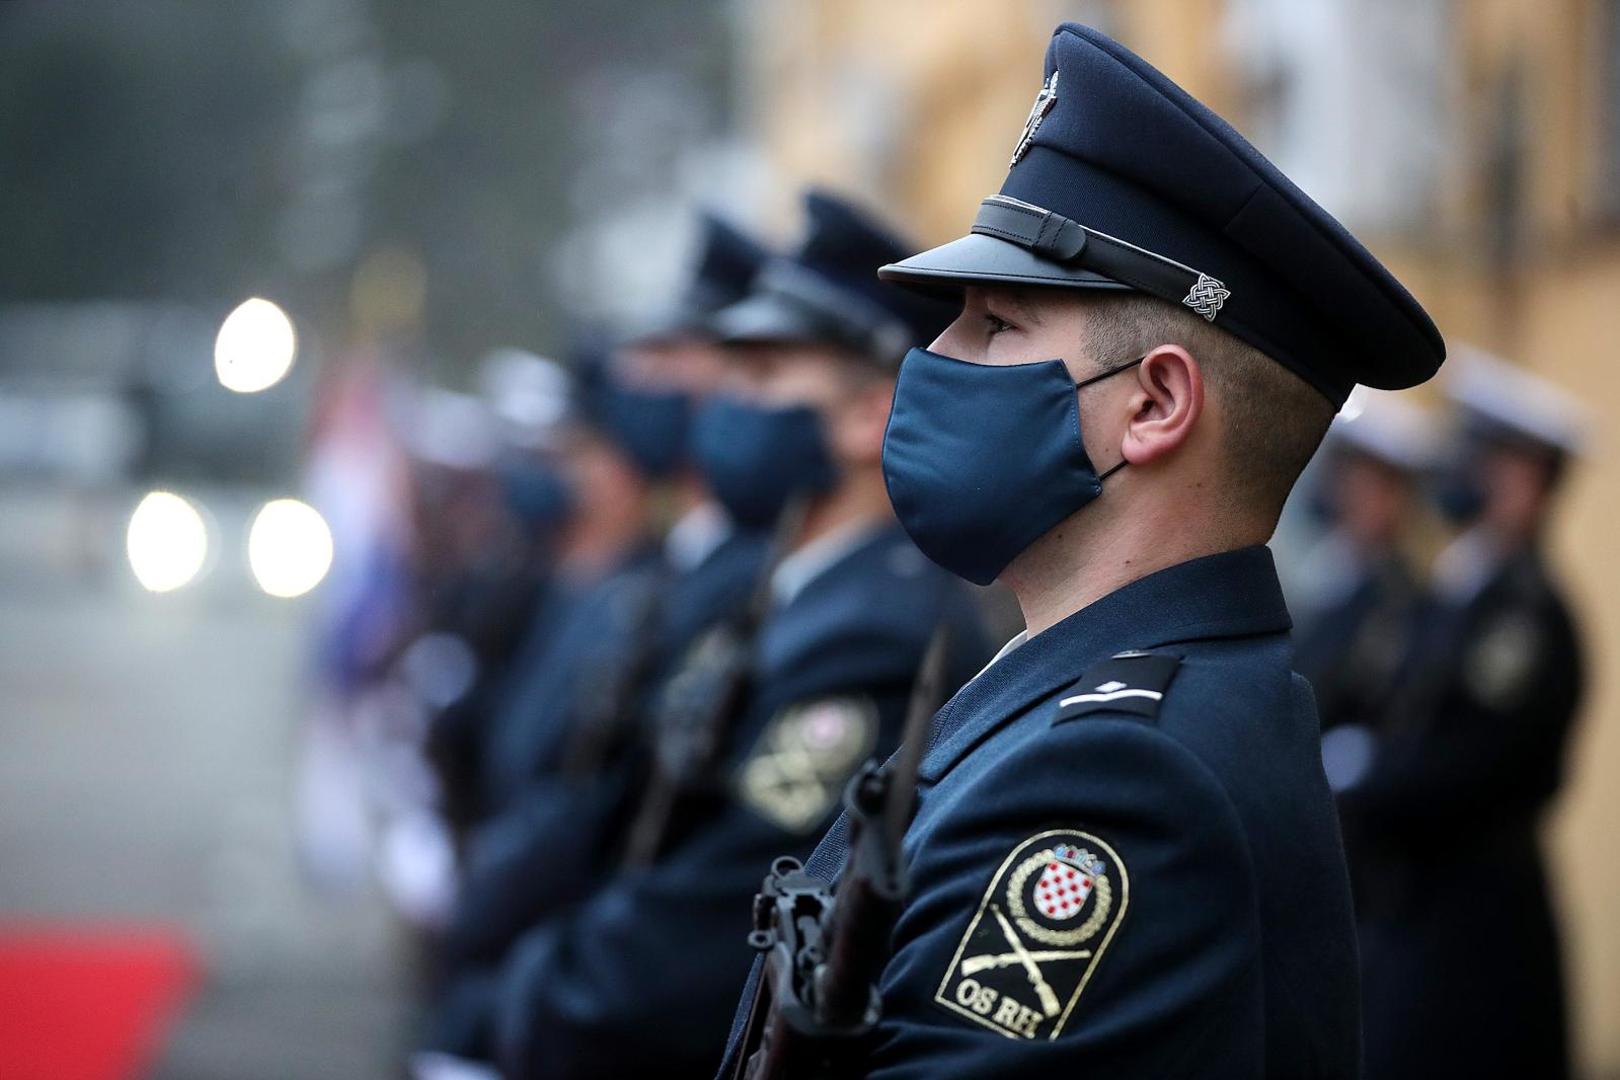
[1128, 683]
[797, 770]
[1498, 668]
[1038, 934]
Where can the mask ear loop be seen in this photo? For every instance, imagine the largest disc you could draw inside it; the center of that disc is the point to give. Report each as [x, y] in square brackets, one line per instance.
[1083, 383]
[1110, 472]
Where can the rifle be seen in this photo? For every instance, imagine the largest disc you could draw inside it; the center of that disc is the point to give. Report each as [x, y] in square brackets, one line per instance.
[703, 701]
[817, 997]
[614, 689]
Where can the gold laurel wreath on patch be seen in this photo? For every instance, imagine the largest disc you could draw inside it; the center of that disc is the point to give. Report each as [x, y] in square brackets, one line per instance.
[1101, 890]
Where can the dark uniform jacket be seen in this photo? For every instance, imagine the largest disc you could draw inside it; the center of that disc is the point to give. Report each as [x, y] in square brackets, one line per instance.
[1460, 949]
[1353, 649]
[584, 629]
[554, 844]
[1128, 867]
[641, 978]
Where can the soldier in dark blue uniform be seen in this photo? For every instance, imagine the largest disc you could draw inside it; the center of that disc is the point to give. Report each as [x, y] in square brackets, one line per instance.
[1460, 948]
[567, 761]
[1356, 596]
[1125, 860]
[606, 581]
[640, 978]
[1357, 599]
[555, 846]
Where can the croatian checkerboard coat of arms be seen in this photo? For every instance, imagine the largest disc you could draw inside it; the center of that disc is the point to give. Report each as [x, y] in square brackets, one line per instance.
[1051, 911]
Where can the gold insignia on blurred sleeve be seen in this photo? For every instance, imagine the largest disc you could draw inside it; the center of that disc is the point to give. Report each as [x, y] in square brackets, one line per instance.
[798, 769]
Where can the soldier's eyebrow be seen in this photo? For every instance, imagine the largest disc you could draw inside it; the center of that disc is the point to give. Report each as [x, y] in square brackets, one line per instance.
[1018, 301]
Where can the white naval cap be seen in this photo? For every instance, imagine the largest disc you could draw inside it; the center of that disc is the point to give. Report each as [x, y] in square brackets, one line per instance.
[1388, 426]
[1495, 394]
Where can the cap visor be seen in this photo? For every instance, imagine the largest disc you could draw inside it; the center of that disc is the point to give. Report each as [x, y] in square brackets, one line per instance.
[762, 319]
[978, 259]
[668, 329]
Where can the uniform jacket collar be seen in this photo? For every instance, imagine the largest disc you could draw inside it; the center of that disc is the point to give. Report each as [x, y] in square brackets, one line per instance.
[1232, 594]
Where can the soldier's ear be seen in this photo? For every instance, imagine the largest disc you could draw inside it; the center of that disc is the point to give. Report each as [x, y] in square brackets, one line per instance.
[1162, 405]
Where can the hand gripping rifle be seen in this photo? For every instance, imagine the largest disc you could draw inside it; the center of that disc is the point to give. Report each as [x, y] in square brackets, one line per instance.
[703, 702]
[817, 996]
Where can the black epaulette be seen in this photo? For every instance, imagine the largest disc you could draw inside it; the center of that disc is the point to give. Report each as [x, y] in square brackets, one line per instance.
[1128, 682]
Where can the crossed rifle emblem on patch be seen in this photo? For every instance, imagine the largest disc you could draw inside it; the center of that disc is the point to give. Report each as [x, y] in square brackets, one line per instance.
[1029, 950]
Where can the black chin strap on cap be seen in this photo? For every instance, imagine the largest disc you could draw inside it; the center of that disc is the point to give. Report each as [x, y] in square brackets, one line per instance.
[1063, 240]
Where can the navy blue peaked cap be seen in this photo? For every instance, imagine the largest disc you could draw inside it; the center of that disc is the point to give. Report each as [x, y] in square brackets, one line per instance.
[828, 293]
[1122, 180]
[728, 261]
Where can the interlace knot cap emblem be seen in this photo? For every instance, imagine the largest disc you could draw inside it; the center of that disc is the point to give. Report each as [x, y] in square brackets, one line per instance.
[1207, 296]
[1037, 113]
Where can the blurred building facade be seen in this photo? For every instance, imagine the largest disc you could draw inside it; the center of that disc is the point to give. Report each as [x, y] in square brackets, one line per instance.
[1474, 143]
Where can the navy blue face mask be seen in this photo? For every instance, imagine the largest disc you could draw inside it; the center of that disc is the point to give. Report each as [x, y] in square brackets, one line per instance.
[982, 461]
[757, 459]
[538, 495]
[651, 425]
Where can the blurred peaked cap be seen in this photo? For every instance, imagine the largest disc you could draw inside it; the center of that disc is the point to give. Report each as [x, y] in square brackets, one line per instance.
[728, 261]
[828, 291]
[1122, 180]
[1503, 401]
[1384, 425]
[841, 240]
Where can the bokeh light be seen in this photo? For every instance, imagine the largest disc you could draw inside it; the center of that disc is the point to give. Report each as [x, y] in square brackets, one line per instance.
[167, 541]
[255, 347]
[289, 547]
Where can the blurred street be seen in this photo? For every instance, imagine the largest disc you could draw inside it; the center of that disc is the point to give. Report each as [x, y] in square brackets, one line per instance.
[146, 756]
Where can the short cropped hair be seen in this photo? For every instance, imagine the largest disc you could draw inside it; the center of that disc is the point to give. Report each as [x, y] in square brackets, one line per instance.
[1274, 420]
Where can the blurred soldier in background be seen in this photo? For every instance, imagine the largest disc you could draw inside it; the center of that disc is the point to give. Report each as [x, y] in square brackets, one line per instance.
[603, 577]
[1462, 971]
[771, 713]
[1357, 592]
[556, 843]
[1357, 598]
[487, 610]
[604, 581]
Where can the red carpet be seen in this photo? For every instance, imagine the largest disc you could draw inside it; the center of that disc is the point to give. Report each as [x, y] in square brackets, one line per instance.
[88, 1002]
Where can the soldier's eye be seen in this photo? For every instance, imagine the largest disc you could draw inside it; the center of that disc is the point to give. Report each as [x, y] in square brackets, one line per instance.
[995, 324]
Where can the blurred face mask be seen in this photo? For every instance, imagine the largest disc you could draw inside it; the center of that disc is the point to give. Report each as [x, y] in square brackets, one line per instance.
[539, 495]
[652, 426]
[982, 460]
[756, 458]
